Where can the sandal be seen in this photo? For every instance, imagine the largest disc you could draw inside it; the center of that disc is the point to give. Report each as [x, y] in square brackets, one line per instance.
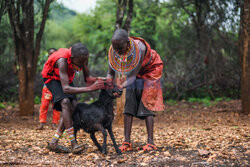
[58, 149]
[149, 147]
[126, 146]
[78, 149]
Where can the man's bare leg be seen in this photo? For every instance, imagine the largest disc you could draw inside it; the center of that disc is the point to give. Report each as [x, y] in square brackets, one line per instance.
[72, 110]
[150, 129]
[60, 130]
[53, 145]
[40, 127]
[67, 119]
[54, 126]
[128, 119]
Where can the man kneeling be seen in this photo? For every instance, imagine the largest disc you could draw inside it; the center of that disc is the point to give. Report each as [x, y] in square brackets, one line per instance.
[58, 74]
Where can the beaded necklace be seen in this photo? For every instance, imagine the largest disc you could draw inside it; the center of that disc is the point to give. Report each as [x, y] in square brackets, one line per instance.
[127, 62]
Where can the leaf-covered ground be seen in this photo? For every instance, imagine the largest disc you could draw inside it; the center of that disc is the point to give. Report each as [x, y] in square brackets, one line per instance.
[186, 134]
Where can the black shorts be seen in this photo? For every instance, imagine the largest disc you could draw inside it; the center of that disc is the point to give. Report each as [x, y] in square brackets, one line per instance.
[134, 105]
[55, 88]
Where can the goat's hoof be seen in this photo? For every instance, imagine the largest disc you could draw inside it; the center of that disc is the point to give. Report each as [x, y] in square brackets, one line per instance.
[104, 152]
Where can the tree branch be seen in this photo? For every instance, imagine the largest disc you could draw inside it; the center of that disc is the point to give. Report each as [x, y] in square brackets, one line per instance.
[14, 18]
[121, 8]
[2, 9]
[41, 30]
[129, 16]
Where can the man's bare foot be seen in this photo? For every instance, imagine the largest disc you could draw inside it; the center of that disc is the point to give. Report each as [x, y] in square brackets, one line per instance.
[54, 126]
[40, 127]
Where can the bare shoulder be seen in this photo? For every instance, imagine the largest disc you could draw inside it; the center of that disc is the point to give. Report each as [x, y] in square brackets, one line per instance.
[142, 46]
[62, 62]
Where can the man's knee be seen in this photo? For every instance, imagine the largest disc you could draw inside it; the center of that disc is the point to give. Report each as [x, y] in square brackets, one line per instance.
[65, 102]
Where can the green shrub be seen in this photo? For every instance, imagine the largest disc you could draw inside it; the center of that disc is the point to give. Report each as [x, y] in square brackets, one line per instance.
[205, 101]
[12, 104]
[2, 106]
[37, 100]
[171, 102]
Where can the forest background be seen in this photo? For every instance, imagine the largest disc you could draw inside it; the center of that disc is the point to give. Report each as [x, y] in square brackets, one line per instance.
[198, 44]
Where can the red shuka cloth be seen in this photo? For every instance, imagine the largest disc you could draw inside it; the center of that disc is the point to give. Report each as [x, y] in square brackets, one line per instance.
[49, 69]
[151, 72]
[46, 99]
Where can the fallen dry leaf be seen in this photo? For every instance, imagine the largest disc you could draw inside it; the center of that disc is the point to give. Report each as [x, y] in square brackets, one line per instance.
[203, 153]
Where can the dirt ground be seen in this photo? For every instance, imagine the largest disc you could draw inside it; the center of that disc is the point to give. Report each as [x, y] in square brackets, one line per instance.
[186, 134]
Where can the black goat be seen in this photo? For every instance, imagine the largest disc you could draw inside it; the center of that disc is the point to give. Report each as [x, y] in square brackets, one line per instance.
[97, 116]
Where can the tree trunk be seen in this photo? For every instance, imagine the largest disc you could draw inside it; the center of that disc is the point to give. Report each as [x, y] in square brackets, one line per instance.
[245, 54]
[120, 13]
[26, 91]
[27, 47]
[120, 102]
[121, 9]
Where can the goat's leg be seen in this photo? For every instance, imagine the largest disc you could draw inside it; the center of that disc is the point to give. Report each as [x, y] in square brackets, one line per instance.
[111, 134]
[104, 145]
[104, 133]
[92, 136]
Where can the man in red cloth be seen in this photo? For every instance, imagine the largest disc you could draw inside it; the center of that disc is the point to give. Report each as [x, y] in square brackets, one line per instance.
[46, 99]
[133, 59]
[58, 74]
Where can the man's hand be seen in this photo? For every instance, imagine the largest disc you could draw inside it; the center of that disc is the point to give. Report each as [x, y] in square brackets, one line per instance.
[91, 80]
[99, 84]
[118, 91]
[101, 78]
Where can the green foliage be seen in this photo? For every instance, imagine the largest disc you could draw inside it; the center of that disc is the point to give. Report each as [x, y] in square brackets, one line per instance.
[83, 97]
[12, 104]
[207, 101]
[95, 31]
[37, 100]
[168, 28]
[144, 21]
[91, 100]
[60, 13]
[2, 106]
[58, 32]
[171, 102]
[58, 35]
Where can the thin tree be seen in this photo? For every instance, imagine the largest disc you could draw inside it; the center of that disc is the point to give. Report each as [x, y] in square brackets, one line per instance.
[27, 47]
[122, 10]
[244, 47]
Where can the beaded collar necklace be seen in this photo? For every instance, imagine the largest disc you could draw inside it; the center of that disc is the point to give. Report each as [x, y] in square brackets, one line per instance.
[126, 62]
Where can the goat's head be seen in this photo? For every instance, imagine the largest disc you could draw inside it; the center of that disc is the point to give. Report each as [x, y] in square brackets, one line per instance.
[107, 93]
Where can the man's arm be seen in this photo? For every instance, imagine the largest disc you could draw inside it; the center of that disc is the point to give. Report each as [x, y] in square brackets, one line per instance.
[63, 67]
[87, 78]
[111, 74]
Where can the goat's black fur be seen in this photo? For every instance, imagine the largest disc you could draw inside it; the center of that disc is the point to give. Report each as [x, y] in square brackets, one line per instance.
[97, 116]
